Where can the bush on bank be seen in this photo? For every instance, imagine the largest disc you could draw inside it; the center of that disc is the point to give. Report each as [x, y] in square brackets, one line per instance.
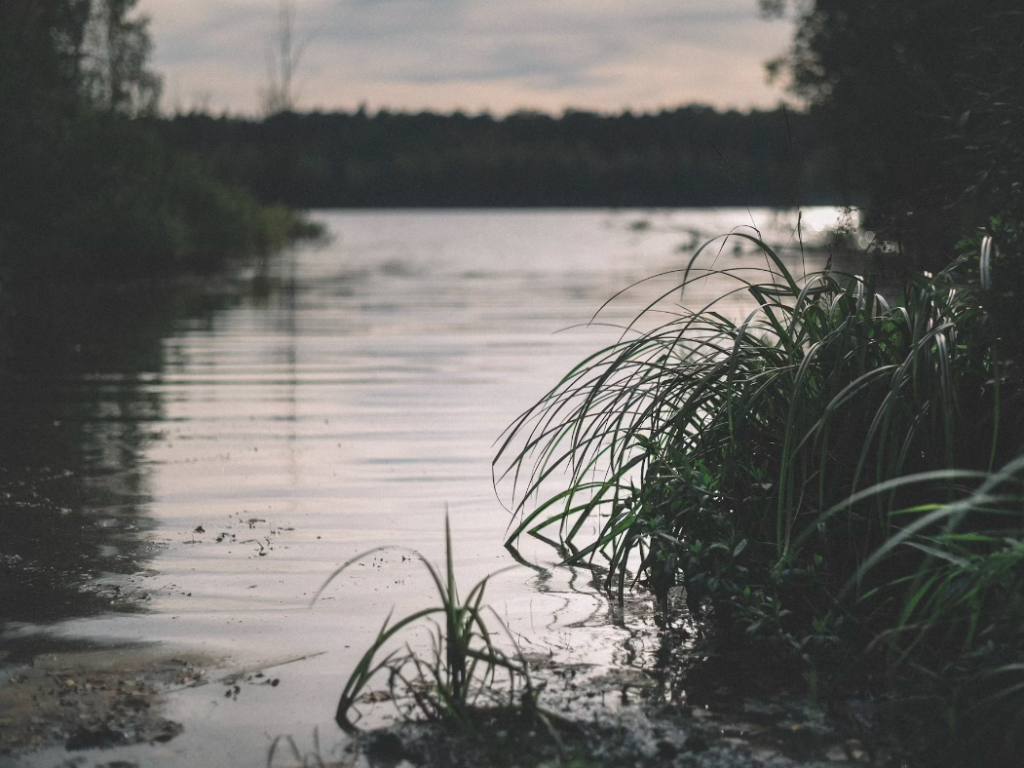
[89, 187]
[836, 477]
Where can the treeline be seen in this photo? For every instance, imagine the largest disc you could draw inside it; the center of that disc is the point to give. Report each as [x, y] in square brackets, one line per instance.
[88, 186]
[691, 156]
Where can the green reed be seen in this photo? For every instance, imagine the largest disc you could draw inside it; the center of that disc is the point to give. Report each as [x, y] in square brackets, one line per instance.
[463, 672]
[828, 474]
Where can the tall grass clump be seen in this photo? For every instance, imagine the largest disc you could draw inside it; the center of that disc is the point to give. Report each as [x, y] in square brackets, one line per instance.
[834, 476]
[462, 676]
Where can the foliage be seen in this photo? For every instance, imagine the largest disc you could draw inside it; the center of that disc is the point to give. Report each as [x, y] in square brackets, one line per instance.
[955, 621]
[834, 476]
[112, 51]
[90, 187]
[683, 157]
[464, 667]
[923, 103]
[922, 98]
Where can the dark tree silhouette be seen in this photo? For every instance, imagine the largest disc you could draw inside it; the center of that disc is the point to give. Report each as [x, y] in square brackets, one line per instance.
[87, 185]
[923, 101]
[691, 156]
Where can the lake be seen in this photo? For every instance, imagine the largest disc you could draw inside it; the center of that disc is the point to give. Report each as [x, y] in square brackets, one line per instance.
[190, 470]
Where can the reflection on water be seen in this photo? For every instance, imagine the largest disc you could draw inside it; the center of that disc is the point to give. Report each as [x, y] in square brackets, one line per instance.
[222, 454]
[76, 416]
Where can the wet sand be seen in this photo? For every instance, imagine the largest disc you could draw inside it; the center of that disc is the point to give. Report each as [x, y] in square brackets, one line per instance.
[93, 698]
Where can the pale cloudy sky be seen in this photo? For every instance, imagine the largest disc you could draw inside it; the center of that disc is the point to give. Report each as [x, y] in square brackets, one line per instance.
[474, 55]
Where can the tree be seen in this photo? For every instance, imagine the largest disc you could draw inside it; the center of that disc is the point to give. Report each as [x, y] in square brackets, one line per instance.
[87, 53]
[916, 96]
[283, 57]
[88, 188]
[61, 61]
[115, 50]
[39, 101]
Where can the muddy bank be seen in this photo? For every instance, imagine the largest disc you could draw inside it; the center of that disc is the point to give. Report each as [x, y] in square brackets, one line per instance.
[779, 732]
[64, 701]
[91, 698]
[596, 717]
[673, 699]
[650, 690]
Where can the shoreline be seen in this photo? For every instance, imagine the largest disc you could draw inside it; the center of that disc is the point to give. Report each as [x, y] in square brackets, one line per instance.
[76, 703]
[92, 698]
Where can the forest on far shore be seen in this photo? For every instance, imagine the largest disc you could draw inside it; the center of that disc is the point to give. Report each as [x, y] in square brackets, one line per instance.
[690, 156]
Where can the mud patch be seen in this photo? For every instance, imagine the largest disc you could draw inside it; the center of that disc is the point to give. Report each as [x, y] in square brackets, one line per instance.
[635, 737]
[92, 699]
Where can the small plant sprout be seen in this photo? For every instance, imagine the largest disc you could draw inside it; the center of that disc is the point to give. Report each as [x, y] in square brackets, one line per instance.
[462, 674]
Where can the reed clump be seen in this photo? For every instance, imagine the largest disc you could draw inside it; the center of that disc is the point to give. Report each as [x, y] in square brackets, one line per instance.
[836, 477]
[462, 676]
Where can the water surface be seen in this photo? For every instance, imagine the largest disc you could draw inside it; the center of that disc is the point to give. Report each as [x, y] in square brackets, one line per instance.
[191, 471]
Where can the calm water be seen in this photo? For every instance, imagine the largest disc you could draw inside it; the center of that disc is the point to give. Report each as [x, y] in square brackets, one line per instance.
[207, 462]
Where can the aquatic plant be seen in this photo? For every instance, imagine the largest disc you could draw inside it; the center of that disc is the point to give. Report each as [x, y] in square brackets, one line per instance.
[311, 759]
[464, 671]
[820, 474]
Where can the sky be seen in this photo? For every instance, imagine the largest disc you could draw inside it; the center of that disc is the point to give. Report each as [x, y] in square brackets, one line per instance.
[497, 56]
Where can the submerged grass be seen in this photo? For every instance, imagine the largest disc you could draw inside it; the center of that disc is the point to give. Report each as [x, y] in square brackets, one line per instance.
[835, 476]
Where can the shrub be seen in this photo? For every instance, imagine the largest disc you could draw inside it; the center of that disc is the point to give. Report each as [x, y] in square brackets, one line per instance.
[832, 476]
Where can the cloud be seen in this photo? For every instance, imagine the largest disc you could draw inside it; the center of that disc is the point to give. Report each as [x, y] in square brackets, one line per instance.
[476, 54]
